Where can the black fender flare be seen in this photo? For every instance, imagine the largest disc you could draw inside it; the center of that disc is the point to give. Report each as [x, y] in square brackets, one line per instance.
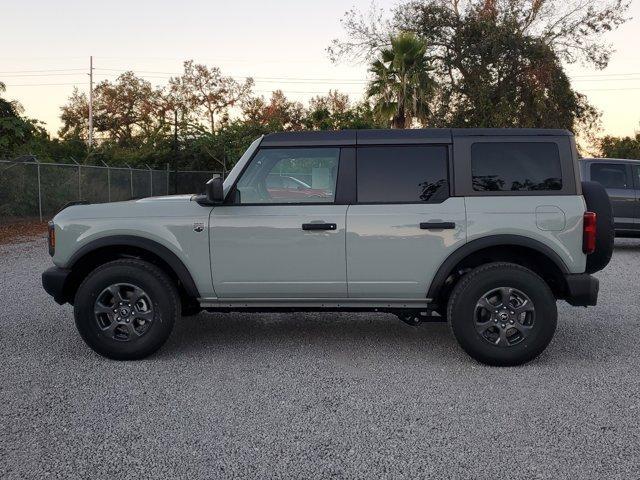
[142, 243]
[485, 242]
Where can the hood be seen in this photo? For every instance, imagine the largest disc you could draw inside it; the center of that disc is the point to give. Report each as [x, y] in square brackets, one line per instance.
[167, 206]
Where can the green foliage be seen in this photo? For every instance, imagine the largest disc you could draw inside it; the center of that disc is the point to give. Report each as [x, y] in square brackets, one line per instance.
[494, 64]
[621, 147]
[15, 130]
[401, 87]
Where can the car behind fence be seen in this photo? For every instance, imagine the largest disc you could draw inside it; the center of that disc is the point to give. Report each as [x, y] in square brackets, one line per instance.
[39, 189]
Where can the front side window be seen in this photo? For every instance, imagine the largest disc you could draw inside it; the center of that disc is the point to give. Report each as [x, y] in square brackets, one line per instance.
[402, 174]
[610, 175]
[290, 175]
[515, 166]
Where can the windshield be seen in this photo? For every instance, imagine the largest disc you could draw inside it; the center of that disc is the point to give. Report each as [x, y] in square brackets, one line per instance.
[235, 171]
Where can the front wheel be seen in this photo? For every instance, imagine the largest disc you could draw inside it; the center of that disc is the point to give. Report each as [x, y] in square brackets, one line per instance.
[126, 309]
[502, 314]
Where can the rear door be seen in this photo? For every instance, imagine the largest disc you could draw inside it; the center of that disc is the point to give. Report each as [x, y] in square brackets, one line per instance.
[617, 179]
[404, 223]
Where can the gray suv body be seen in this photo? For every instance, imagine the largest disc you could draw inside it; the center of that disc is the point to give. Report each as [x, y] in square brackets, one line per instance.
[621, 180]
[485, 228]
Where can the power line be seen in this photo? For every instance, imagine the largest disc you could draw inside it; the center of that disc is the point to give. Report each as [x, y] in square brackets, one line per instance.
[318, 92]
[41, 74]
[609, 89]
[305, 79]
[42, 84]
[604, 75]
[289, 79]
[41, 71]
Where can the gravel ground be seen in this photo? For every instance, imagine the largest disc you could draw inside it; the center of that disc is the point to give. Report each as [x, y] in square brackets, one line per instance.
[316, 395]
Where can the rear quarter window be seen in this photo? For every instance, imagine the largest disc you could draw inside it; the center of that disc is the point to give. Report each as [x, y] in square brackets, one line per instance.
[515, 166]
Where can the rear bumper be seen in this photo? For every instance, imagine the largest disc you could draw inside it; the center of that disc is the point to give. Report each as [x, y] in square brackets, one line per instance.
[54, 281]
[582, 290]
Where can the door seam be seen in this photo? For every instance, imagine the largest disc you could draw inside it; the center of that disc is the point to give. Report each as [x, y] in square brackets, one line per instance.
[346, 253]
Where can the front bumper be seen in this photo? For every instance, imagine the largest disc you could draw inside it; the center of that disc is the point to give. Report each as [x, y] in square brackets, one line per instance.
[54, 281]
[582, 290]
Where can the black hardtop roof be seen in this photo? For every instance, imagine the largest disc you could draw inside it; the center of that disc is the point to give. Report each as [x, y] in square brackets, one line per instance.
[408, 136]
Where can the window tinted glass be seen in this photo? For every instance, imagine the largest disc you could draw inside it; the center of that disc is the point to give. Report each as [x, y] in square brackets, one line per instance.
[290, 175]
[515, 166]
[610, 175]
[402, 174]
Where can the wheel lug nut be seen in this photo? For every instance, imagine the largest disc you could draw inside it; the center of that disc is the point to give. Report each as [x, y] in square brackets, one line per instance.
[503, 325]
[511, 322]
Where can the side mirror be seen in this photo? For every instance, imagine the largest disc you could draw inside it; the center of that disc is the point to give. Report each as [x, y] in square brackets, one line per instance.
[214, 191]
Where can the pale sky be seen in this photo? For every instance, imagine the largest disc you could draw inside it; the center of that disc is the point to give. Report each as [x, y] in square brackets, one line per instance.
[281, 43]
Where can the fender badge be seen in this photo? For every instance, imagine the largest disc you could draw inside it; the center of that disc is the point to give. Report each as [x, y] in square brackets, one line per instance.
[198, 227]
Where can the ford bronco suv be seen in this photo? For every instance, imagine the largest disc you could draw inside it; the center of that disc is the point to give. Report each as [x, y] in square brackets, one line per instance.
[483, 228]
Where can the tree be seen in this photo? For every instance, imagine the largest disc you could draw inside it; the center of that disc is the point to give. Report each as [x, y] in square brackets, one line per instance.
[401, 86]
[15, 130]
[334, 111]
[128, 111]
[621, 147]
[279, 113]
[208, 93]
[497, 64]
[75, 116]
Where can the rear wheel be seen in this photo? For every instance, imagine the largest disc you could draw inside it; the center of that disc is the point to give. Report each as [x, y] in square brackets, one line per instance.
[126, 309]
[502, 314]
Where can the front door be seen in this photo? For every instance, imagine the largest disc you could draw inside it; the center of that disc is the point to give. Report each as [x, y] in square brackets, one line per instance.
[281, 235]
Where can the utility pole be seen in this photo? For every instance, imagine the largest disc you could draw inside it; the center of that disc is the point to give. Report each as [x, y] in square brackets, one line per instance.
[90, 102]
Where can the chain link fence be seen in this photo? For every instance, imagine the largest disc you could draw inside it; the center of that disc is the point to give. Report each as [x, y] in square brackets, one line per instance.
[39, 189]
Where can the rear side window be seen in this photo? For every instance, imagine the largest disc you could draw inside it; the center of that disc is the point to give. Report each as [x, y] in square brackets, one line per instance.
[610, 175]
[402, 174]
[515, 166]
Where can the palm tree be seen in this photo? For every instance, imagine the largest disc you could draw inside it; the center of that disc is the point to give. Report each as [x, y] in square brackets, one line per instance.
[401, 86]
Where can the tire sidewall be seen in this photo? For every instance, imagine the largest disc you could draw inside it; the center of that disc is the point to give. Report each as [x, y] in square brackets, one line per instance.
[462, 318]
[163, 303]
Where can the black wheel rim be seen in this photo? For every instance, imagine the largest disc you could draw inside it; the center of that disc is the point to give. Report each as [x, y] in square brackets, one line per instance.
[504, 316]
[123, 312]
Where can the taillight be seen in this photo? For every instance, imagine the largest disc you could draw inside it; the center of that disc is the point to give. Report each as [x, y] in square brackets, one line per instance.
[589, 233]
[52, 238]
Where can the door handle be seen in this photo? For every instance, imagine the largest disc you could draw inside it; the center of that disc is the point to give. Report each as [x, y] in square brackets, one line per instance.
[319, 226]
[437, 226]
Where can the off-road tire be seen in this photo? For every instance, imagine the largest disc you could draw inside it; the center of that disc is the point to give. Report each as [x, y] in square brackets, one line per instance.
[461, 313]
[163, 299]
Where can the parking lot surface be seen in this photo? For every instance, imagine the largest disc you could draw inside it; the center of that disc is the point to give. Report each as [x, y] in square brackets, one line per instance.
[316, 395]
